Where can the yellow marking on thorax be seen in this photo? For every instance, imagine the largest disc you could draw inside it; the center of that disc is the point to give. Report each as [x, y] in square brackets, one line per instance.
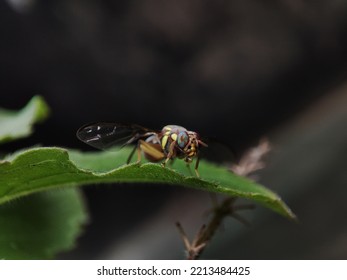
[168, 128]
[192, 151]
[191, 154]
[167, 132]
[164, 141]
[174, 136]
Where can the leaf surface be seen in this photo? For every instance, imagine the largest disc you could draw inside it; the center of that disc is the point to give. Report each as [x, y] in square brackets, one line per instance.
[18, 124]
[42, 225]
[46, 168]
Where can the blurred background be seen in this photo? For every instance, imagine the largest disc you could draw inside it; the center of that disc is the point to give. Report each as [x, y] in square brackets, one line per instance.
[237, 70]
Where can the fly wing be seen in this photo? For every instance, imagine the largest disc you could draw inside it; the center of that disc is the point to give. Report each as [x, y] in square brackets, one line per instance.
[106, 135]
[217, 150]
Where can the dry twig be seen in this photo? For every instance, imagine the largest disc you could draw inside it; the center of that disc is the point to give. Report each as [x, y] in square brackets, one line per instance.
[250, 162]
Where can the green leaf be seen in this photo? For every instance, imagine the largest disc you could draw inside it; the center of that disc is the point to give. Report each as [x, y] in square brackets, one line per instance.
[43, 168]
[40, 226]
[18, 124]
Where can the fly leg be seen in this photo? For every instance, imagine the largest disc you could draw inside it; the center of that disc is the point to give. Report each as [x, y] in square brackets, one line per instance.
[197, 166]
[170, 154]
[189, 169]
[137, 146]
[132, 154]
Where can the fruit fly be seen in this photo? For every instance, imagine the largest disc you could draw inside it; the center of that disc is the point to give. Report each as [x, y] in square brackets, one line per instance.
[171, 142]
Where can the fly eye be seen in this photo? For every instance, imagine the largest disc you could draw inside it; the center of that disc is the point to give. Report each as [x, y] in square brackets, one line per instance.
[182, 139]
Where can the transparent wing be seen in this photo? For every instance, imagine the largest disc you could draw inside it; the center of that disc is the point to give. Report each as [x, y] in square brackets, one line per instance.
[217, 151]
[106, 135]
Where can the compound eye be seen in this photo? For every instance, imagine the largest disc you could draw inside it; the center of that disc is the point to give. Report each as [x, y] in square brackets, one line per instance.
[182, 139]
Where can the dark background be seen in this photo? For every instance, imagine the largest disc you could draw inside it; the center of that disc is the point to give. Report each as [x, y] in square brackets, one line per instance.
[236, 70]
